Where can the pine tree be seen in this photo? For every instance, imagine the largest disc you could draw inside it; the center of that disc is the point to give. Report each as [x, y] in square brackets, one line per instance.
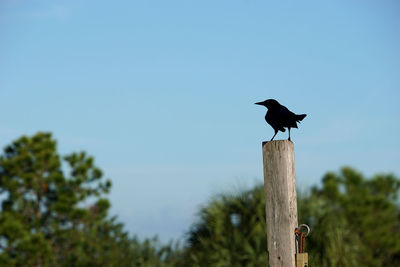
[53, 217]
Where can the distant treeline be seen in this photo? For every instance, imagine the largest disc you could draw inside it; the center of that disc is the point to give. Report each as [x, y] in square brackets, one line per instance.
[54, 212]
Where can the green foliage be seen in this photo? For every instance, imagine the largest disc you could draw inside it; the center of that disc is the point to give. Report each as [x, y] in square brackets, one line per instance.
[354, 221]
[53, 217]
[54, 212]
[230, 232]
[150, 253]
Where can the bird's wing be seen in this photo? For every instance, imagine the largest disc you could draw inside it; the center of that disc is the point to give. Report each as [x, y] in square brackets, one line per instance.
[285, 113]
[287, 118]
[273, 119]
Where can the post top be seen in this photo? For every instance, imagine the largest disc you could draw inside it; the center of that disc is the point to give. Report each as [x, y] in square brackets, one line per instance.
[276, 142]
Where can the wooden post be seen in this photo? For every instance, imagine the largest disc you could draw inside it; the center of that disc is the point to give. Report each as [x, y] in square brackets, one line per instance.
[280, 202]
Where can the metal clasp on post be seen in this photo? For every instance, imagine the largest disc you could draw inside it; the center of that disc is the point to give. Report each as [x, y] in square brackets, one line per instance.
[301, 255]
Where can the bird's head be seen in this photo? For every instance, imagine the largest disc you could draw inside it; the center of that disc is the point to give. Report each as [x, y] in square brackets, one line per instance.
[269, 103]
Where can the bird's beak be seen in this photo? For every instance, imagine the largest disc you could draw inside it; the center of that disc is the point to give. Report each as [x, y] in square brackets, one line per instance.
[260, 103]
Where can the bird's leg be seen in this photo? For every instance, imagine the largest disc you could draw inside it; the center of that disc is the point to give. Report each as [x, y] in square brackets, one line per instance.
[289, 133]
[276, 131]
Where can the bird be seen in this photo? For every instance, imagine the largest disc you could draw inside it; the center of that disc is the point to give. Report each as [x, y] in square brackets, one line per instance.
[279, 117]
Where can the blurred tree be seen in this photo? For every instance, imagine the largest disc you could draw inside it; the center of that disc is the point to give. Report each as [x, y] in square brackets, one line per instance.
[354, 221]
[53, 217]
[54, 213]
[230, 232]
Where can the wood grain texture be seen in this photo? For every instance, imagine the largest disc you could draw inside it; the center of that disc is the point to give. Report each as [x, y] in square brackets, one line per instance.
[280, 202]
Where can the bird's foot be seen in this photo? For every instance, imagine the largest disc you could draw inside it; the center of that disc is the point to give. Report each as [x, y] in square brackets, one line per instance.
[289, 139]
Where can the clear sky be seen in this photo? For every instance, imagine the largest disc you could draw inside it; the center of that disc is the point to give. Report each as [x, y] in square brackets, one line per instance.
[161, 93]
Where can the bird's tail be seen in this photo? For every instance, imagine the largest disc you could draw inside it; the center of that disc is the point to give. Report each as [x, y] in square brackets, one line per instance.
[300, 117]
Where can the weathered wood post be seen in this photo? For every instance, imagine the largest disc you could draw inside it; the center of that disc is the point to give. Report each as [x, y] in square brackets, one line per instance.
[280, 202]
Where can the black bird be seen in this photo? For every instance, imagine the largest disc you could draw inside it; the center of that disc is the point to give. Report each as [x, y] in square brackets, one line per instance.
[279, 117]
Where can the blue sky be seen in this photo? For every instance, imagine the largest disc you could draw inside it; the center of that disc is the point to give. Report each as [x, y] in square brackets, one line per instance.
[161, 93]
